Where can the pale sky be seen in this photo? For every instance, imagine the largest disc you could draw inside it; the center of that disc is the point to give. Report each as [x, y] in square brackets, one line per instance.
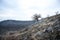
[24, 9]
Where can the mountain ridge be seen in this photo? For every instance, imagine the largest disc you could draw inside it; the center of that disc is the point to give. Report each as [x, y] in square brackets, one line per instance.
[13, 25]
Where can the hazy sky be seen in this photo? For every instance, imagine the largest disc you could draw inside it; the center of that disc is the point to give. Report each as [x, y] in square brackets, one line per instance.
[24, 9]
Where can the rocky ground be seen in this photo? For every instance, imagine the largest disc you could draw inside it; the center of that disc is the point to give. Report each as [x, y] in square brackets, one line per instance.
[48, 29]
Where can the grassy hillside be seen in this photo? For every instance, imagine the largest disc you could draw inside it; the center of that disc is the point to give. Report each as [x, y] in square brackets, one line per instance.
[48, 29]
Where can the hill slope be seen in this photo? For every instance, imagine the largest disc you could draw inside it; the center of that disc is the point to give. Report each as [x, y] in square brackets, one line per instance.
[48, 29]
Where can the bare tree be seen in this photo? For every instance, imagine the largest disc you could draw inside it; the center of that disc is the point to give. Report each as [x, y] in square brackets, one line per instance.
[57, 12]
[36, 17]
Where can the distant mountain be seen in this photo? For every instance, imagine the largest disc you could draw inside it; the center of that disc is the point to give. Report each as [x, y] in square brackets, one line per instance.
[12, 25]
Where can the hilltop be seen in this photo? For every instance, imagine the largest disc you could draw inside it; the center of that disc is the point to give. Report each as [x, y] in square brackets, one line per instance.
[47, 29]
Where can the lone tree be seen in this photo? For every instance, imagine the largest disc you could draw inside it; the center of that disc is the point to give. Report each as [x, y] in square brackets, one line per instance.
[57, 12]
[36, 17]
